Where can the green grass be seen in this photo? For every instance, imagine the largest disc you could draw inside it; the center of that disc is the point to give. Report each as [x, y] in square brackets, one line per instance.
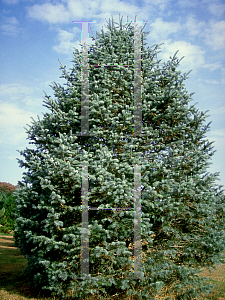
[12, 278]
[217, 277]
[14, 286]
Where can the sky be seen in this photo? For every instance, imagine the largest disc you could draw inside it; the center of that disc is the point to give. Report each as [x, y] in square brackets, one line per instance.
[35, 35]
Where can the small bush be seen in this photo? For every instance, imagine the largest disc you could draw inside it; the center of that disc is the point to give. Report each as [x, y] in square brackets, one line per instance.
[7, 218]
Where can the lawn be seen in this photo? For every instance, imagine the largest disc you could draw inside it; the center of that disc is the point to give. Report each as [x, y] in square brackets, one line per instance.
[14, 286]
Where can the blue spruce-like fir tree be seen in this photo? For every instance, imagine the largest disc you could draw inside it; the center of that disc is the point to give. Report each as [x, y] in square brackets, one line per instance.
[182, 207]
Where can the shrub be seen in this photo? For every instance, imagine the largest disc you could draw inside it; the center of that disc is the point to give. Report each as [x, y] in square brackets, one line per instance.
[7, 218]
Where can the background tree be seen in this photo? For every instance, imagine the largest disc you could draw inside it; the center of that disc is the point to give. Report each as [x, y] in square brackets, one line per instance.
[7, 217]
[7, 188]
[182, 206]
[6, 207]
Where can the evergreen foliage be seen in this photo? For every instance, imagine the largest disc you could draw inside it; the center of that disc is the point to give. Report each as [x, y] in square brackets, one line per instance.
[182, 206]
[7, 218]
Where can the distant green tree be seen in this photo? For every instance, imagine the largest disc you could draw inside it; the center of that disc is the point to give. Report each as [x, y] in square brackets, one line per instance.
[7, 217]
[182, 206]
[7, 188]
[2, 212]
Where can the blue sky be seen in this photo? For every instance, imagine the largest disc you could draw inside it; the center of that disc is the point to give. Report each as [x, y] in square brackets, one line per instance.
[35, 34]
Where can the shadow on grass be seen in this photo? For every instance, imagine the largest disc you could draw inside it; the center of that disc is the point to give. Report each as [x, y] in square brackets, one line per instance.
[14, 283]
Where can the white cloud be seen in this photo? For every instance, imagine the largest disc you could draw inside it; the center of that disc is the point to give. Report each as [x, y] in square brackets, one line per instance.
[193, 26]
[194, 55]
[70, 10]
[77, 9]
[67, 41]
[216, 9]
[219, 132]
[161, 30]
[116, 7]
[65, 45]
[12, 121]
[48, 12]
[215, 35]
[160, 4]
[10, 26]
[31, 101]
[12, 115]
[214, 66]
[218, 111]
[212, 81]
[15, 92]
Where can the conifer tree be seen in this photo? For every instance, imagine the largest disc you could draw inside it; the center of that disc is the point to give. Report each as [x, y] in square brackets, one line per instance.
[182, 207]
